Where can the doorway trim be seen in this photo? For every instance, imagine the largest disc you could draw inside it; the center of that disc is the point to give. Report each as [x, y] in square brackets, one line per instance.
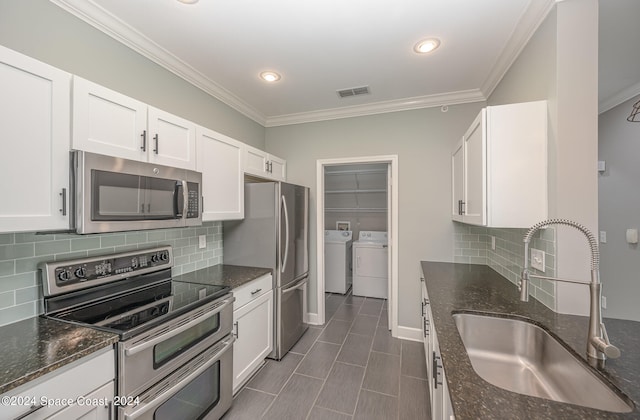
[392, 232]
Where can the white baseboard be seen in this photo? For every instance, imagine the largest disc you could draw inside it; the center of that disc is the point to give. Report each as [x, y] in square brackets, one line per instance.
[412, 334]
[311, 318]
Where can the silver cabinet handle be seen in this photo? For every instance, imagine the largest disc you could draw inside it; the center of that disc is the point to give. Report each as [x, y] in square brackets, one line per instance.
[144, 141]
[156, 139]
[63, 194]
[32, 410]
[256, 291]
[237, 329]
[266, 166]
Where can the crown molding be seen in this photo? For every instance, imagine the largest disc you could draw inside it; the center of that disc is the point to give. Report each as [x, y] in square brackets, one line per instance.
[531, 19]
[406, 104]
[618, 98]
[107, 23]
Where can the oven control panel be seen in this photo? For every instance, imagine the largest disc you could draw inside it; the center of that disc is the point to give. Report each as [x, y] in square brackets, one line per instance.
[62, 276]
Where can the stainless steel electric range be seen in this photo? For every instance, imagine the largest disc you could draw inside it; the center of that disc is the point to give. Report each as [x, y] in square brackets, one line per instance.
[174, 356]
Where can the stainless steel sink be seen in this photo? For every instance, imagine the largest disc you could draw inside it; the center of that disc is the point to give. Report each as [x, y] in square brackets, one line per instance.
[521, 357]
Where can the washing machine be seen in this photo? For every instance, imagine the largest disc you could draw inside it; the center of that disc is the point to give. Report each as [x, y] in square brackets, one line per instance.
[370, 264]
[337, 260]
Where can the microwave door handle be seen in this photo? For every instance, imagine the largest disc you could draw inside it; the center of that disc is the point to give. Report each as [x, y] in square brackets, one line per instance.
[185, 199]
[164, 396]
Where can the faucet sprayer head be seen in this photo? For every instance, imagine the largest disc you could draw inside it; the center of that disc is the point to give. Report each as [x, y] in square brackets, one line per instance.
[523, 286]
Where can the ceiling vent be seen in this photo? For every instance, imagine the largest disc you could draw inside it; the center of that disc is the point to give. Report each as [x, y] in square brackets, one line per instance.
[363, 90]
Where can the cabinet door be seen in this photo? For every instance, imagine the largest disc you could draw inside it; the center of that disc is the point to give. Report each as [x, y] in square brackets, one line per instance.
[277, 168]
[475, 172]
[108, 122]
[254, 337]
[98, 405]
[255, 161]
[172, 140]
[34, 125]
[220, 161]
[457, 181]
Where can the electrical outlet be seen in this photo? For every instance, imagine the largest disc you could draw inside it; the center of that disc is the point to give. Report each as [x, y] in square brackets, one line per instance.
[493, 242]
[604, 302]
[537, 259]
[202, 241]
[603, 237]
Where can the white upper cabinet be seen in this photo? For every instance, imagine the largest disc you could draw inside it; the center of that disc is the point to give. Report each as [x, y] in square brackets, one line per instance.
[262, 164]
[34, 130]
[499, 168]
[172, 141]
[110, 123]
[220, 161]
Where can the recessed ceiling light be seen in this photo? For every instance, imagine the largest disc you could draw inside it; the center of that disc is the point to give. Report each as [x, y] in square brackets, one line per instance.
[188, 1]
[427, 45]
[269, 76]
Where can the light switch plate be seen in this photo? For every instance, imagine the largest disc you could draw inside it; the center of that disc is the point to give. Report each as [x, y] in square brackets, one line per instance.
[537, 259]
[202, 241]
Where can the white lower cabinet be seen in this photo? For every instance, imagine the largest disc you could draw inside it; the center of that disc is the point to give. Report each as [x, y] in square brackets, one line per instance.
[253, 328]
[441, 408]
[82, 390]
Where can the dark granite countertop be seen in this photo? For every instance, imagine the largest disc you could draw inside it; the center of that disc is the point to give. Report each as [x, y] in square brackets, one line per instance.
[223, 275]
[459, 287]
[34, 347]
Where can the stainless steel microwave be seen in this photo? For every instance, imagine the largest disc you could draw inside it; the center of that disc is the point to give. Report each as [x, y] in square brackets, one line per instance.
[113, 194]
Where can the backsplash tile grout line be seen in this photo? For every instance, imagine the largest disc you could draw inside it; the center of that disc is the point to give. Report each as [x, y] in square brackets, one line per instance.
[20, 253]
[472, 245]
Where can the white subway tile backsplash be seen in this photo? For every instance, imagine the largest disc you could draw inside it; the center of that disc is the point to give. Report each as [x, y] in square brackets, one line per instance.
[20, 253]
[472, 245]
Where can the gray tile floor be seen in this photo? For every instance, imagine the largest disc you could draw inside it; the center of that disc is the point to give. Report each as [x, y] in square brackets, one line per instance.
[350, 368]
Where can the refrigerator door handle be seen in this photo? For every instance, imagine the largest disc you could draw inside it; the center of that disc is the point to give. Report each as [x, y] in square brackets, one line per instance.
[295, 287]
[286, 233]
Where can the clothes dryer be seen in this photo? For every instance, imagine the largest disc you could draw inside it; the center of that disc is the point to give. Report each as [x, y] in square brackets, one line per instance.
[370, 264]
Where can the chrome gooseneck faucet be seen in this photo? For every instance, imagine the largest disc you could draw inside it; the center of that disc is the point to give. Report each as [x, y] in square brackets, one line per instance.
[598, 345]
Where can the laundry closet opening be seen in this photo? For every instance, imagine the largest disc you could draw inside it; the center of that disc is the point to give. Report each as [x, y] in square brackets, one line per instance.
[354, 246]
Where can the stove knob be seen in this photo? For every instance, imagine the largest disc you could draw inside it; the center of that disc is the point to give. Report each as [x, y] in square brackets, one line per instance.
[154, 258]
[64, 275]
[164, 256]
[164, 309]
[81, 273]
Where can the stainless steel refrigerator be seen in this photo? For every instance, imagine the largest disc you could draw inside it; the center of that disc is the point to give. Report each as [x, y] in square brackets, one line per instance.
[275, 234]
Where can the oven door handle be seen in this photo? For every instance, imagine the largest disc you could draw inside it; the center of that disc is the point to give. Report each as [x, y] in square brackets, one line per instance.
[162, 337]
[164, 396]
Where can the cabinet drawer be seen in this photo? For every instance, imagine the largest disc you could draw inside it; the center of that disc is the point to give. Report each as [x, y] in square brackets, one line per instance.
[252, 290]
[55, 389]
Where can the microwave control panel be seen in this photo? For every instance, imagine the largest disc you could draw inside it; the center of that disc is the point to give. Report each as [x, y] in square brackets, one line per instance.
[193, 203]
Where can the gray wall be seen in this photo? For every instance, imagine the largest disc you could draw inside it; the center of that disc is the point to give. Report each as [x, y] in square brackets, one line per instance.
[44, 31]
[422, 139]
[619, 210]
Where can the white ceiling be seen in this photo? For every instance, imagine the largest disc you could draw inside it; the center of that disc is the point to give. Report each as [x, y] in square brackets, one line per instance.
[321, 46]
